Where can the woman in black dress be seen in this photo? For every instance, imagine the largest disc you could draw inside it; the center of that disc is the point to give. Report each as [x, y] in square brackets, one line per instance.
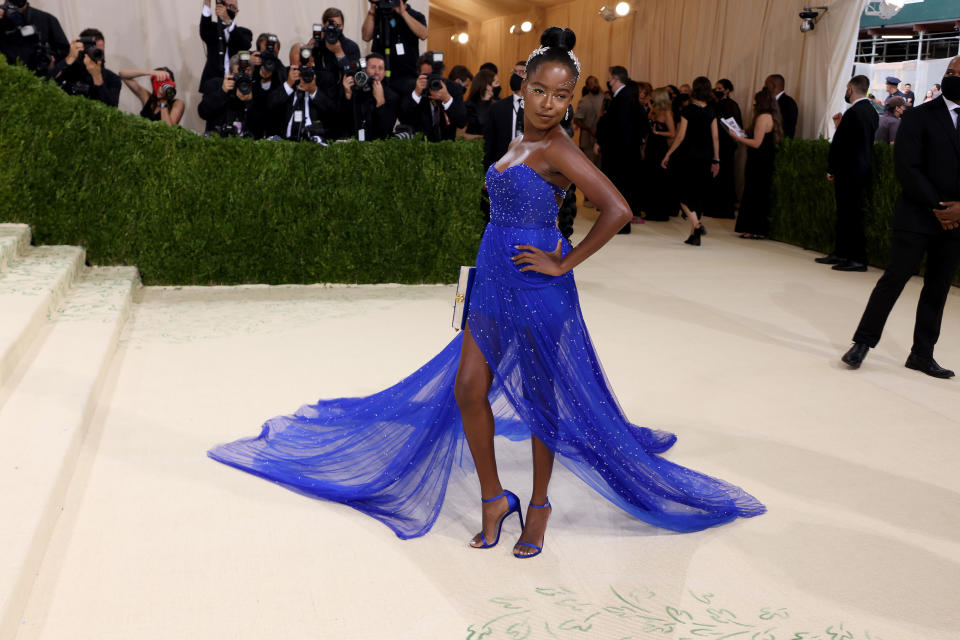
[157, 105]
[660, 198]
[697, 148]
[753, 220]
[479, 101]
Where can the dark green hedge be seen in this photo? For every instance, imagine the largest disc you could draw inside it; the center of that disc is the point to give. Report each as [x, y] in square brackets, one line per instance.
[192, 210]
[804, 210]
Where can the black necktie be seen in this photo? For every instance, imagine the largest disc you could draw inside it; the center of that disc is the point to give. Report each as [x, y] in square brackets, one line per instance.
[518, 130]
[957, 111]
[297, 107]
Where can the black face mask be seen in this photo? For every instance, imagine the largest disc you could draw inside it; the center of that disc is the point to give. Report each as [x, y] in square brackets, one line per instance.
[846, 97]
[496, 92]
[950, 88]
[515, 82]
[718, 95]
[231, 14]
[609, 87]
[595, 90]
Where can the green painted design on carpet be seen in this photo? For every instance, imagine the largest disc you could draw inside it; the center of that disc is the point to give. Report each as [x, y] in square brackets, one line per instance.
[638, 614]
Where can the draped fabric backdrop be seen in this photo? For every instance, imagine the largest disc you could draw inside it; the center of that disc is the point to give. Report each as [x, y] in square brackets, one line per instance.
[662, 41]
[143, 34]
[673, 41]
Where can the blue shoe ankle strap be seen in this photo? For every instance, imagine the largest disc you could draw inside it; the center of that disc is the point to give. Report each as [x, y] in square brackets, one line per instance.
[502, 495]
[540, 506]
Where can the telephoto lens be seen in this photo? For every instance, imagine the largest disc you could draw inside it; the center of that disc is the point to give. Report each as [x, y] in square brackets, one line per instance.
[243, 83]
[331, 34]
[168, 91]
[91, 49]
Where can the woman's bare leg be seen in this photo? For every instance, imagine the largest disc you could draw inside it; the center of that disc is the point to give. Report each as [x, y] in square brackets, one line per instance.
[471, 387]
[536, 522]
[692, 217]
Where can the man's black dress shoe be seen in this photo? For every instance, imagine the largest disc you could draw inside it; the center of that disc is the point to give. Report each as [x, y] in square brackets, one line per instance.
[928, 366]
[850, 265]
[830, 259]
[854, 357]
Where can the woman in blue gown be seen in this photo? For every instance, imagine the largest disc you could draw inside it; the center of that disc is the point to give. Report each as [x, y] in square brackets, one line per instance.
[524, 367]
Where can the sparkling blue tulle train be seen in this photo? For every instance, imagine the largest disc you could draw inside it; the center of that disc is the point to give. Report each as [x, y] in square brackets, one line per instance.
[390, 455]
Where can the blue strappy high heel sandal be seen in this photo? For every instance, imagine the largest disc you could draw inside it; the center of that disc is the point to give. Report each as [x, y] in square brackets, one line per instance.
[513, 504]
[530, 544]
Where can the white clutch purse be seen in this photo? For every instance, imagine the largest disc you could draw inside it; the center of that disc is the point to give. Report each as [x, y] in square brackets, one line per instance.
[461, 304]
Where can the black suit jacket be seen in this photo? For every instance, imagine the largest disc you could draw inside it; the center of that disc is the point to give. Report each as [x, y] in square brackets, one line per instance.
[498, 132]
[361, 112]
[852, 144]
[322, 109]
[211, 32]
[790, 114]
[218, 108]
[927, 160]
[621, 132]
[48, 31]
[420, 116]
[108, 93]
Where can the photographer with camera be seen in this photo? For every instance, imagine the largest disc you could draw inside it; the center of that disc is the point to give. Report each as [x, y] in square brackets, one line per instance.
[334, 55]
[82, 72]
[222, 37]
[369, 104]
[302, 108]
[31, 36]
[269, 74]
[160, 102]
[392, 25]
[227, 108]
[434, 107]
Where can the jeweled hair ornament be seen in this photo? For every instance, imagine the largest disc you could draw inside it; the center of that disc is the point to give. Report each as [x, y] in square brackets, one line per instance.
[542, 50]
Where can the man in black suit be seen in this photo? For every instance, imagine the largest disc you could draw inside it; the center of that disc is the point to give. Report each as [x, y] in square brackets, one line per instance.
[222, 37]
[303, 110]
[437, 113]
[621, 132]
[227, 110]
[370, 111]
[926, 221]
[32, 36]
[788, 106]
[506, 119]
[848, 167]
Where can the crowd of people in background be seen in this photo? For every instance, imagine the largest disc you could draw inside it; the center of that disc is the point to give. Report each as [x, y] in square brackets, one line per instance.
[670, 150]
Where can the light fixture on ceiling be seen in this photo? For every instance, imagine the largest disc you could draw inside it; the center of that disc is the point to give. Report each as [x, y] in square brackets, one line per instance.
[885, 9]
[463, 38]
[607, 13]
[622, 8]
[526, 26]
[514, 29]
[809, 18]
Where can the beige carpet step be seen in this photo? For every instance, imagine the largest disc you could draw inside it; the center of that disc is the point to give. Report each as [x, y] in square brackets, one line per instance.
[43, 422]
[14, 240]
[31, 286]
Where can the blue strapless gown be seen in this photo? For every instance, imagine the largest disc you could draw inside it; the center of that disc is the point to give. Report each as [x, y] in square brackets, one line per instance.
[390, 455]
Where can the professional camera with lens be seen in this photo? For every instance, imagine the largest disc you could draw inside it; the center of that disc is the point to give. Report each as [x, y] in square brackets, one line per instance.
[268, 59]
[331, 34]
[386, 5]
[166, 89]
[307, 73]
[358, 69]
[243, 79]
[435, 78]
[91, 49]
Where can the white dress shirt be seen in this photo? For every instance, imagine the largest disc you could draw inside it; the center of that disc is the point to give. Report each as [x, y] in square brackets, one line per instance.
[306, 109]
[208, 13]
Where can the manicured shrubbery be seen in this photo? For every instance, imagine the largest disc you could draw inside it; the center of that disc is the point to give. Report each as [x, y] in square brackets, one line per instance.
[192, 210]
[804, 211]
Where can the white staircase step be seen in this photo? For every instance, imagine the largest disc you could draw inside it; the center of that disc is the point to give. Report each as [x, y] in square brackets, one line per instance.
[43, 422]
[14, 240]
[30, 288]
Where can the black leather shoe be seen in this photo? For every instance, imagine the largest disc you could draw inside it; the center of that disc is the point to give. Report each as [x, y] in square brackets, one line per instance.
[694, 238]
[854, 357]
[850, 265]
[928, 366]
[830, 259]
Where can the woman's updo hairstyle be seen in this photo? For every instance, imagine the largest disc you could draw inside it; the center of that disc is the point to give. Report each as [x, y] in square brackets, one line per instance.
[556, 45]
